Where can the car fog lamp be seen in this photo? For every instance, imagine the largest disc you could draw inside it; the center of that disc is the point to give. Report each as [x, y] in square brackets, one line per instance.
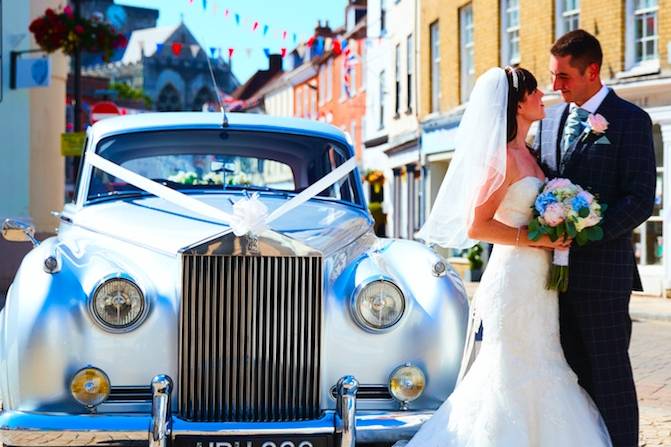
[407, 383]
[379, 305]
[118, 304]
[90, 386]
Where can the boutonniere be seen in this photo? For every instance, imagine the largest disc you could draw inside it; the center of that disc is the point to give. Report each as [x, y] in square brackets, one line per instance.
[596, 125]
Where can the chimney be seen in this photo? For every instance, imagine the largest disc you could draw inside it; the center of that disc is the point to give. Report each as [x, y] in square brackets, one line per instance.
[275, 63]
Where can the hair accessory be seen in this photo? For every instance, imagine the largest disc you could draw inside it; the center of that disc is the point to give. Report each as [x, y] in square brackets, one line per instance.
[513, 74]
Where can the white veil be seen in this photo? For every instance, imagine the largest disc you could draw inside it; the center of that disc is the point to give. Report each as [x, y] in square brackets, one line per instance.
[478, 167]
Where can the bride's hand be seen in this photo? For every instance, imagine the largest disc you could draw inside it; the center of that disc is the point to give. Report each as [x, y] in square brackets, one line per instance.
[546, 242]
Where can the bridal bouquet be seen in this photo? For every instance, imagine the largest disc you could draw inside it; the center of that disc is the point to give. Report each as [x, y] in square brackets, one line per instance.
[563, 209]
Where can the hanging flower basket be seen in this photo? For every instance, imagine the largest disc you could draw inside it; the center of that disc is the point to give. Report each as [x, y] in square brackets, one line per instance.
[62, 30]
[375, 178]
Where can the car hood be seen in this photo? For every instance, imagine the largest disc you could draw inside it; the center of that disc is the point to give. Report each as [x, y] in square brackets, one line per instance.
[153, 222]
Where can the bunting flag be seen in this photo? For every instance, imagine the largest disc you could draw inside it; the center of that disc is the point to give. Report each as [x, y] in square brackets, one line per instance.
[266, 51]
[237, 19]
[204, 4]
[265, 29]
[213, 51]
[194, 50]
[226, 12]
[176, 48]
[255, 25]
[283, 52]
[159, 48]
[230, 52]
[284, 35]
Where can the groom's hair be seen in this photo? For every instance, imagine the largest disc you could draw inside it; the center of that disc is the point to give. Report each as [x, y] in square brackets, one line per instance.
[583, 48]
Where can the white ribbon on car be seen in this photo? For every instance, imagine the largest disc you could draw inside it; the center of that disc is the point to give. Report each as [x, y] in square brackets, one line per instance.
[249, 215]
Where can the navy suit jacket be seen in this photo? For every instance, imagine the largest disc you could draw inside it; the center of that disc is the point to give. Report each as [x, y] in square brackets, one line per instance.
[619, 167]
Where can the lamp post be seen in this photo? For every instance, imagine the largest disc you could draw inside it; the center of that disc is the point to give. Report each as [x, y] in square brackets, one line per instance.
[77, 62]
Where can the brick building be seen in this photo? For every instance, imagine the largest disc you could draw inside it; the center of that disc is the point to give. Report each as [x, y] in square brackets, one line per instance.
[462, 39]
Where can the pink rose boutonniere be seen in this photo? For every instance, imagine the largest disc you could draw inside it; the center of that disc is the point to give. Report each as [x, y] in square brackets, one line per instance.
[596, 124]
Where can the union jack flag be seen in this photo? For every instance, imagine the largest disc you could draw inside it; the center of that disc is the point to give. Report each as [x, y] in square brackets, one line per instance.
[349, 61]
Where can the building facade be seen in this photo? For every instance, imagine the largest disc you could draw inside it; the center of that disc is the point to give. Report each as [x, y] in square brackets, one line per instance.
[31, 122]
[171, 67]
[392, 130]
[461, 39]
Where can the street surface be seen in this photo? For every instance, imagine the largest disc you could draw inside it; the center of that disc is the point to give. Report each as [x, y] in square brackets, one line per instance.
[651, 359]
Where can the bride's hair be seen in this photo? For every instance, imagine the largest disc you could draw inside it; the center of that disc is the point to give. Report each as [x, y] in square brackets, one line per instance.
[520, 84]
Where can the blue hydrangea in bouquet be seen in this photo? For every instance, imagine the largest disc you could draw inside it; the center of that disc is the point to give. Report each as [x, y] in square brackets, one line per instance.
[565, 210]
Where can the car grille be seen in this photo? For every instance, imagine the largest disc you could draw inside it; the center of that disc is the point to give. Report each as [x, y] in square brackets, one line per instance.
[249, 338]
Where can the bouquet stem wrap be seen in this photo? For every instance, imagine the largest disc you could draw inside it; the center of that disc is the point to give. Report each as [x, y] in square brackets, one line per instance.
[558, 277]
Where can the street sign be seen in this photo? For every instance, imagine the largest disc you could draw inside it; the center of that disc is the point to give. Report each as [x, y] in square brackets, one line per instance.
[104, 109]
[72, 144]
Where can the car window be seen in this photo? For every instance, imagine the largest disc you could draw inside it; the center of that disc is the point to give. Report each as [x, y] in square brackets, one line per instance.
[213, 160]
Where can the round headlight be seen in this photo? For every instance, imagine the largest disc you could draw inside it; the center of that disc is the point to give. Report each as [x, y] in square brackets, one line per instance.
[379, 305]
[90, 386]
[407, 383]
[118, 304]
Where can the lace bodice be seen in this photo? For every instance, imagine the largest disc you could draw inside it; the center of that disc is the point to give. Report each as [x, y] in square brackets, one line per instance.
[515, 208]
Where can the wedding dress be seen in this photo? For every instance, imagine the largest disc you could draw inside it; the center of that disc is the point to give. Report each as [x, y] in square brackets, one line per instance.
[519, 392]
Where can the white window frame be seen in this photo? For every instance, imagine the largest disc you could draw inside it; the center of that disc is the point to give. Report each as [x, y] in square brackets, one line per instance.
[563, 16]
[631, 64]
[410, 73]
[382, 79]
[508, 30]
[434, 71]
[397, 80]
[466, 52]
[329, 80]
[322, 85]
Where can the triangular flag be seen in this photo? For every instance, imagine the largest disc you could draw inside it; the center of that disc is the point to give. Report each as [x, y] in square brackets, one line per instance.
[336, 47]
[176, 48]
[204, 4]
[283, 51]
[194, 50]
[311, 41]
[237, 19]
[213, 51]
[344, 44]
[265, 29]
[266, 51]
[230, 52]
[255, 25]
[328, 43]
[159, 48]
[226, 12]
[284, 35]
[295, 37]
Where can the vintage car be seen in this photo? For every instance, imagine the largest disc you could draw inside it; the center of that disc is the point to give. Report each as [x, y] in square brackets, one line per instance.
[216, 282]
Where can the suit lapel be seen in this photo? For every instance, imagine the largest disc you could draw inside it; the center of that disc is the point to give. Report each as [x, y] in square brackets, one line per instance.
[584, 142]
[551, 137]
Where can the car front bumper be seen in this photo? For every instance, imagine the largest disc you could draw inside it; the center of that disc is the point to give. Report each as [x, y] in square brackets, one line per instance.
[345, 425]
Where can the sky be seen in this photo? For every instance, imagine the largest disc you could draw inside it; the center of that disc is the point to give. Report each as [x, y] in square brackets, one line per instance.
[213, 28]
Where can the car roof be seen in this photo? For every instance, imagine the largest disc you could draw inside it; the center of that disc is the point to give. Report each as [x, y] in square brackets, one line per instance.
[210, 120]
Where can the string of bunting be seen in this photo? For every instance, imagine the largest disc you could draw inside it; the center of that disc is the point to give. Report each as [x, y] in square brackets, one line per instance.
[321, 44]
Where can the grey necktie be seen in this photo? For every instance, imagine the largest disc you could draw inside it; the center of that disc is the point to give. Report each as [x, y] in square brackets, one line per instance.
[575, 124]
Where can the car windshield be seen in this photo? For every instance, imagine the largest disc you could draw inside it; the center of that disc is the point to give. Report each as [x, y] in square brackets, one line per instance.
[222, 160]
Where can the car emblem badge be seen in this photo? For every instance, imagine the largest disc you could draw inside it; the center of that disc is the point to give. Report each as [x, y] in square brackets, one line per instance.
[252, 244]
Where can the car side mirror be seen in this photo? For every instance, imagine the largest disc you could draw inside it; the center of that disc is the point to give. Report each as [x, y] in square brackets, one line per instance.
[16, 231]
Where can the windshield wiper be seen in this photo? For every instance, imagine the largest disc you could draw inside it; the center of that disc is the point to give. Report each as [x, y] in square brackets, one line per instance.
[255, 188]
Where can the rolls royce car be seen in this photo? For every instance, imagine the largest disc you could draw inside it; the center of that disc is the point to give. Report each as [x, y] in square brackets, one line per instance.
[216, 282]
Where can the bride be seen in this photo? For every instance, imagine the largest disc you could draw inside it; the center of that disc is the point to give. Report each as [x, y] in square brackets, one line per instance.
[519, 391]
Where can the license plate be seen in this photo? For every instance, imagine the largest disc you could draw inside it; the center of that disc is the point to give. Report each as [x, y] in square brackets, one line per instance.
[254, 441]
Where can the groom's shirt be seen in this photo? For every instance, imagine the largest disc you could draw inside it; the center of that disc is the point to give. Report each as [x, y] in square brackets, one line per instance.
[593, 103]
[591, 106]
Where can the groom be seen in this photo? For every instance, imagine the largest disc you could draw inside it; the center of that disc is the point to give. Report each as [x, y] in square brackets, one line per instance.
[613, 158]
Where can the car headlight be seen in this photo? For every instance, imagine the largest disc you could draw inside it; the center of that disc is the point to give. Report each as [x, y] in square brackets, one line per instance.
[90, 386]
[118, 304]
[378, 305]
[407, 383]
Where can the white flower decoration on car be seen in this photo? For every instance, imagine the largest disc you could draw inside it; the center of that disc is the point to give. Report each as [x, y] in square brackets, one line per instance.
[597, 124]
[250, 216]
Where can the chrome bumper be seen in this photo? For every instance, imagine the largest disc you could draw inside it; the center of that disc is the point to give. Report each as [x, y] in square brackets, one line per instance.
[159, 429]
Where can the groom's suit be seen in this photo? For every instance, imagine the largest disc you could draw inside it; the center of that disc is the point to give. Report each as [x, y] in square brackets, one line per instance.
[619, 167]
